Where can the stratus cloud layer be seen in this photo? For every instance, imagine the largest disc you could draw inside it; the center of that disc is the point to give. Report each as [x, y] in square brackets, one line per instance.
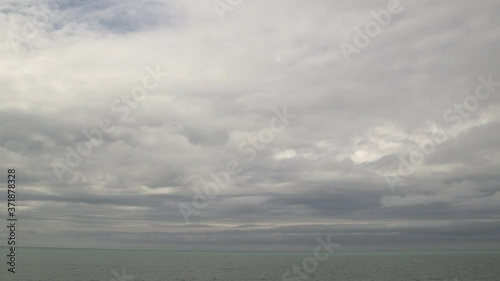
[323, 174]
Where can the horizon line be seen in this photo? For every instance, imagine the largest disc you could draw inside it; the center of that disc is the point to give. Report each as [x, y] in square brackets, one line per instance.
[246, 251]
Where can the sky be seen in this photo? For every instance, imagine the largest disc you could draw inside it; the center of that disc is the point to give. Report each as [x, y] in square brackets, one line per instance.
[252, 125]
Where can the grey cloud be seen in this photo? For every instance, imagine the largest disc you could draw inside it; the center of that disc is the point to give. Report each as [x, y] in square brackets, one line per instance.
[324, 173]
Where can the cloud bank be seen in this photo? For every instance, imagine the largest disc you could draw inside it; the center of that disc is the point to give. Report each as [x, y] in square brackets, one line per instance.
[66, 63]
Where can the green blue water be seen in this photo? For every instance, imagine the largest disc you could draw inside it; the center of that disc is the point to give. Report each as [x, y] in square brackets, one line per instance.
[98, 265]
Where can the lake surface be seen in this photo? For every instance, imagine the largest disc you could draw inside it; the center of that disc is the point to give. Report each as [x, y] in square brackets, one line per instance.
[38, 264]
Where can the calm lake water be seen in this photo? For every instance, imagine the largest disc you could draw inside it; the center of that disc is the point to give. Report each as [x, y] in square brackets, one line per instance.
[106, 265]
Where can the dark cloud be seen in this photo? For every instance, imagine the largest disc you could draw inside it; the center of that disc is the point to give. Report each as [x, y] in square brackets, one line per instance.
[324, 173]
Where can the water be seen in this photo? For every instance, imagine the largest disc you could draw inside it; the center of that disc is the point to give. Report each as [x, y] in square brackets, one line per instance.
[97, 265]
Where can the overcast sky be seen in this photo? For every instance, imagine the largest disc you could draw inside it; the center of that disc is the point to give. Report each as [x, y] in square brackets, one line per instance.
[219, 79]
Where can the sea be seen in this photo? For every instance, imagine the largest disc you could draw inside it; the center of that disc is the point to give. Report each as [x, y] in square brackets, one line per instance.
[42, 264]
